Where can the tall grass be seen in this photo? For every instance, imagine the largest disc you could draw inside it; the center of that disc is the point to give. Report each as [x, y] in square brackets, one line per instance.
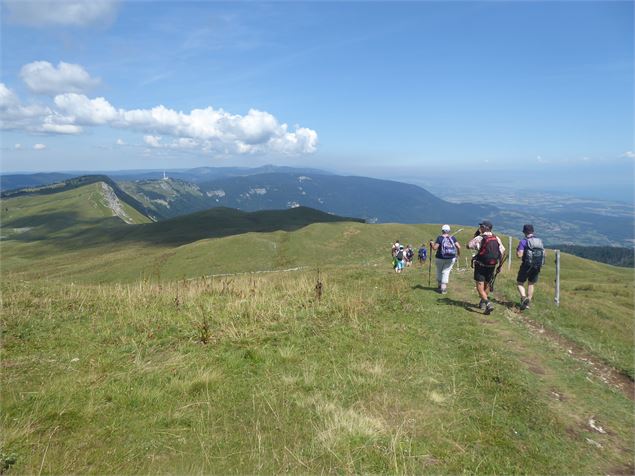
[257, 374]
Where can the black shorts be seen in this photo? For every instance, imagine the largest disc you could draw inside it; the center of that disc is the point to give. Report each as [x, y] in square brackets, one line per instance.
[527, 273]
[483, 274]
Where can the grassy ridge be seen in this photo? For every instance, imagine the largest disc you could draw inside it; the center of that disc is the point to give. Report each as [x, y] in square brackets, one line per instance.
[118, 357]
[592, 315]
[255, 374]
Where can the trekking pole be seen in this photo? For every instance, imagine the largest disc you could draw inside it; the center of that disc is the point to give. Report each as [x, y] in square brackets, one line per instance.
[429, 265]
[498, 270]
[557, 297]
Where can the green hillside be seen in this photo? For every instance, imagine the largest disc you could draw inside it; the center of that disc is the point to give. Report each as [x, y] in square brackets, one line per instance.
[125, 355]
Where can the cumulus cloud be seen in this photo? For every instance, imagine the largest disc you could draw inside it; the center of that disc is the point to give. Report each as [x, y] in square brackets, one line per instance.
[208, 130]
[43, 78]
[15, 115]
[120, 142]
[39, 146]
[79, 13]
[152, 141]
[629, 154]
[17, 146]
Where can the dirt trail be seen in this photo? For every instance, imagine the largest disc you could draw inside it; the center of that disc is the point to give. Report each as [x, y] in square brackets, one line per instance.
[601, 371]
[594, 366]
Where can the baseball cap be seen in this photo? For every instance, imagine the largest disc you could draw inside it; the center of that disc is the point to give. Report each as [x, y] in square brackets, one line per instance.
[445, 228]
[486, 224]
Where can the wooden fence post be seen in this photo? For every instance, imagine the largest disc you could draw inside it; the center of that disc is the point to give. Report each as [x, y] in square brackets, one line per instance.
[509, 255]
[557, 298]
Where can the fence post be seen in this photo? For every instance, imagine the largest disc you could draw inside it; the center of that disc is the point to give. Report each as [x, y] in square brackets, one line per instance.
[557, 298]
[509, 255]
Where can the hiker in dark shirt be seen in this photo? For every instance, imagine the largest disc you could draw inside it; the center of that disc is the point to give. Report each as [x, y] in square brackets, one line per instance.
[490, 252]
[447, 250]
[532, 252]
[423, 253]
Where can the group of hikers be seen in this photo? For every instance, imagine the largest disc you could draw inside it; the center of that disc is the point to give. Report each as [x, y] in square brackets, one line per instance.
[487, 260]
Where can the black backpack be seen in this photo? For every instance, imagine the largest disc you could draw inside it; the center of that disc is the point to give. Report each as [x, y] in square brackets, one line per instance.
[534, 255]
[489, 253]
[400, 255]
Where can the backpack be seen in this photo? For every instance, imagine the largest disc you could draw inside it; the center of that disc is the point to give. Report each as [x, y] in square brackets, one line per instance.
[400, 255]
[423, 253]
[448, 250]
[409, 254]
[534, 255]
[489, 253]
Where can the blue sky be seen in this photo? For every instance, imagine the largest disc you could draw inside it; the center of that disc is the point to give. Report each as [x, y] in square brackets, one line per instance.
[356, 87]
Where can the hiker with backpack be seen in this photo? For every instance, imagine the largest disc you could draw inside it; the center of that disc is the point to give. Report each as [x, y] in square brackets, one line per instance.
[409, 255]
[400, 257]
[447, 250]
[422, 253]
[487, 261]
[393, 253]
[532, 252]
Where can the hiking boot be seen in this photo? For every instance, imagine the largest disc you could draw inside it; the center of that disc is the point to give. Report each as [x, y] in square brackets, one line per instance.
[489, 307]
[524, 304]
[481, 304]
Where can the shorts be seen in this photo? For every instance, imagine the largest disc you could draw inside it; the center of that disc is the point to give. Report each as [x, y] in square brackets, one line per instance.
[483, 274]
[400, 264]
[527, 273]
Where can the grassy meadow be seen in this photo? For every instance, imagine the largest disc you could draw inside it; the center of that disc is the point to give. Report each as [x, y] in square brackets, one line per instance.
[127, 356]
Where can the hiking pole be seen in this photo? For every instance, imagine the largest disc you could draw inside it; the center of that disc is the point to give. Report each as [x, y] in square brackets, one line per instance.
[429, 264]
[498, 270]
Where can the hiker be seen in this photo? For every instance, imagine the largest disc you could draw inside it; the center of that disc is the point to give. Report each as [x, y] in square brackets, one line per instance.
[532, 252]
[400, 257]
[409, 255]
[447, 250]
[486, 262]
[422, 253]
[395, 248]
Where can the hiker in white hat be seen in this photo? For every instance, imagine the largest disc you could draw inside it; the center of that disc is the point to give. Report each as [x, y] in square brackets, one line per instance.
[447, 250]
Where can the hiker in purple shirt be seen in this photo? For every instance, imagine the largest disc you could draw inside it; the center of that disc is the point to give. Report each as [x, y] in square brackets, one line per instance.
[532, 252]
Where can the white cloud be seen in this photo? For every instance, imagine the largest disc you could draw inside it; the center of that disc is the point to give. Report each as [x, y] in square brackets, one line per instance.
[208, 130]
[17, 146]
[78, 108]
[43, 78]
[61, 12]
[152, 141]
[15, 115]
[7, 97]
[541, 160]
[39, 146]
[212, 130]
[120, 142]
[60, 128]
[629, 154]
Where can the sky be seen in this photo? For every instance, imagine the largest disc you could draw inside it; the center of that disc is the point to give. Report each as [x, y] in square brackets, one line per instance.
[524, 91]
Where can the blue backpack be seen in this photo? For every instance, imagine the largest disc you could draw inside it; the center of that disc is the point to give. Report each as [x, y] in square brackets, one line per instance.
[448, 250]
[423, 253]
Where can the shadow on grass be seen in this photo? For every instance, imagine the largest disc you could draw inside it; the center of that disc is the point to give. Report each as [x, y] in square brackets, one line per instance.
[465, 305]
[213, 223]
[424, 288]
[508, 304]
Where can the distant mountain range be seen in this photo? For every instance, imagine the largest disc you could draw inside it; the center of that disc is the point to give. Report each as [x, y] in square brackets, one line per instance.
[373, 200]
[196, 175]
[376, 201]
